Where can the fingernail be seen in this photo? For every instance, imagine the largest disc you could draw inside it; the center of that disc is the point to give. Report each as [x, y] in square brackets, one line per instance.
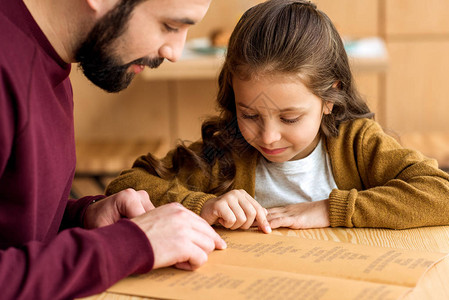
[267, 229]
[223, 245]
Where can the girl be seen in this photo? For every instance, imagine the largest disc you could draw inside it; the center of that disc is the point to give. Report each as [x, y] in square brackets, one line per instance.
[294, 144]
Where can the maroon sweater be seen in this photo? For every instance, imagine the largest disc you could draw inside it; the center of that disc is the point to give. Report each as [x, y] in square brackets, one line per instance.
[44, 254]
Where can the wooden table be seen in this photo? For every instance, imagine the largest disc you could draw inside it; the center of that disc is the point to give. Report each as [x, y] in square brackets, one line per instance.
[433, 285]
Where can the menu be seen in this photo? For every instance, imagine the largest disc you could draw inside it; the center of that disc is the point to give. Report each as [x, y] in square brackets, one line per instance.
[269, 266]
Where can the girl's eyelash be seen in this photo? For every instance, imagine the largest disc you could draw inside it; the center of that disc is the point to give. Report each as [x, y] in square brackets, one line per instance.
[250, 117]
[286, 121]
[290, 121]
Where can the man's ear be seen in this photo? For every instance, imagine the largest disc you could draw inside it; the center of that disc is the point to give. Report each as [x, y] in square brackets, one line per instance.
[101, 7]
[328, 106]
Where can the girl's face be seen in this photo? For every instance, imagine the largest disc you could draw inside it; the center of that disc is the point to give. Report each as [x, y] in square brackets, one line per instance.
[279, 116]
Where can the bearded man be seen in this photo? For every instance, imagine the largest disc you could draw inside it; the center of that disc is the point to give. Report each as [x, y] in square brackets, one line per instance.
[52, 247]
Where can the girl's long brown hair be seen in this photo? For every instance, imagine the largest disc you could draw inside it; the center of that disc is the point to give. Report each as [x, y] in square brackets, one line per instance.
[287, 37]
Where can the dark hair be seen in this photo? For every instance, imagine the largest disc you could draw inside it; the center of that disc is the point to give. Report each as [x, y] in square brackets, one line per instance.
[94, 54]
[290, 37]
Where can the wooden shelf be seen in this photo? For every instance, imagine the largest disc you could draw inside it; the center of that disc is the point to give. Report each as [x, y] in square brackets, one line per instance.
[208, 67]
[110, 157]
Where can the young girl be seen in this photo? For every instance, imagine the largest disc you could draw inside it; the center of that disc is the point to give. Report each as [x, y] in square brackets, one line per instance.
[294, 145]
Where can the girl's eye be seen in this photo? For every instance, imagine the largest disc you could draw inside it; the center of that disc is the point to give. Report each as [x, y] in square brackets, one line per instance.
[249, 117]
[169, 28]
[290, 121]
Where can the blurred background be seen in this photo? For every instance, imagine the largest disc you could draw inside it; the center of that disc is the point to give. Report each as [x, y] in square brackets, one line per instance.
[399, 52]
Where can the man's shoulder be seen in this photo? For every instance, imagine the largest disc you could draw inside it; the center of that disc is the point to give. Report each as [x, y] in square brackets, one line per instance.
[17, 48]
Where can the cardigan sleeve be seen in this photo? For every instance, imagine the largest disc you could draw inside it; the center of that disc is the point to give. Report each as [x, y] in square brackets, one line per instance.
[187, 187]
[381, 184]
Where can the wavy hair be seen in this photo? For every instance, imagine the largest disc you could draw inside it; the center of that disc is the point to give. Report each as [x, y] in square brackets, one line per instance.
[286, 37]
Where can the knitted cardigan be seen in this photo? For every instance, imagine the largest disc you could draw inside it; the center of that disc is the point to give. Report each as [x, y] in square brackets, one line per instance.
[380, 184]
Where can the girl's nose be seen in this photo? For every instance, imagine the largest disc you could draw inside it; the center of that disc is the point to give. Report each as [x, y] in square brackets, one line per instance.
[269, 133]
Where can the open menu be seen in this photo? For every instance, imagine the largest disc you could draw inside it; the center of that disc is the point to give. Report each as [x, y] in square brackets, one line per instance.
[268, 266]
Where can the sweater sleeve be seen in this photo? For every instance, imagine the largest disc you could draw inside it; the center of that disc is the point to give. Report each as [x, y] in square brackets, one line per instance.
[385, 185]
[76, 263]
[75, 209]
[187, 187]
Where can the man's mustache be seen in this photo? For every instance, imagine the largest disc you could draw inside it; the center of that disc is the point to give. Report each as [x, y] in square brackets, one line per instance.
[149, 62]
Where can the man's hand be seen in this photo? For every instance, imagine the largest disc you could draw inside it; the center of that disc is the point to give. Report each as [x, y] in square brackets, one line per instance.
[178, 236]
[235, 209]
[127, 203]
[301, 215]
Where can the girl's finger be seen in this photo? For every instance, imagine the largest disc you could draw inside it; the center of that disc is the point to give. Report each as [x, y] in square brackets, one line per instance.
[225, 215]
[250, 213]
[239, 213]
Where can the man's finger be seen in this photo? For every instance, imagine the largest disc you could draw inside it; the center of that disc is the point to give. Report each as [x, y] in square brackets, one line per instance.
[128, 203]
[196, 260]
[201, 225]
[145, 200]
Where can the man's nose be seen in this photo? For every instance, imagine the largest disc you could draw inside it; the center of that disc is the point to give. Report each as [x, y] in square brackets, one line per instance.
[172, 48]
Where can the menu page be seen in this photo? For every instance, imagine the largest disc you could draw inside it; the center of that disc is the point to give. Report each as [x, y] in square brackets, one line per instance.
[267, 266]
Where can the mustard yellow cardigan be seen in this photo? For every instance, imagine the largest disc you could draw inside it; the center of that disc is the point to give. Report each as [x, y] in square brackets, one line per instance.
[380, 184]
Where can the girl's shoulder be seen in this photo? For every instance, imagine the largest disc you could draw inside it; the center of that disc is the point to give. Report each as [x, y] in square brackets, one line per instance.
[357, 129]
[358, 126]
[358, 133]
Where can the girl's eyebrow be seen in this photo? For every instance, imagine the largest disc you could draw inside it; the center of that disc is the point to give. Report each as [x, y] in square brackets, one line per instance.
[288, 109]
[294, 109]
[243, 105]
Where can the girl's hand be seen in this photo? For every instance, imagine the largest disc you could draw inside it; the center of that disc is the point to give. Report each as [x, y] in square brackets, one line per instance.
[300, 216]
[235, 209]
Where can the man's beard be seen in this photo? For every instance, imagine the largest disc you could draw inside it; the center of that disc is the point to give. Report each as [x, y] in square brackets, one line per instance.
[96, 57]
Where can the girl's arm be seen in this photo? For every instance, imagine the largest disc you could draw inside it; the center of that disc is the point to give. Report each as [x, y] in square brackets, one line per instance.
[187, 187]
[234, 209]
[382, 184]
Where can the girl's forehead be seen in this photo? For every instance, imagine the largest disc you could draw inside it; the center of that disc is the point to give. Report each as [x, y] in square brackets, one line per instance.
[269, 85]
[280, 93]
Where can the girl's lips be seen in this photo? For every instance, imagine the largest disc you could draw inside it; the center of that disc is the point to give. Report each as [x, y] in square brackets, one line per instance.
[273, 151]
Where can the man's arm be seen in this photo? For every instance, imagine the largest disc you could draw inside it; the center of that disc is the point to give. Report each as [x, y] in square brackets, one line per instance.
[178, 236]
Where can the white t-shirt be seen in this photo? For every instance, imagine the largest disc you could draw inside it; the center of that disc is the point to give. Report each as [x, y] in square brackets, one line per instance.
[304, 180]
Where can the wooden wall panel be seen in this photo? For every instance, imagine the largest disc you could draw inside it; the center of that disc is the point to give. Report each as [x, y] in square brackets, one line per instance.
[417, 81]
[368, 86]
[221, 14]
[139, 112]
[417, 17]
[353, 18]
[195, 101]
